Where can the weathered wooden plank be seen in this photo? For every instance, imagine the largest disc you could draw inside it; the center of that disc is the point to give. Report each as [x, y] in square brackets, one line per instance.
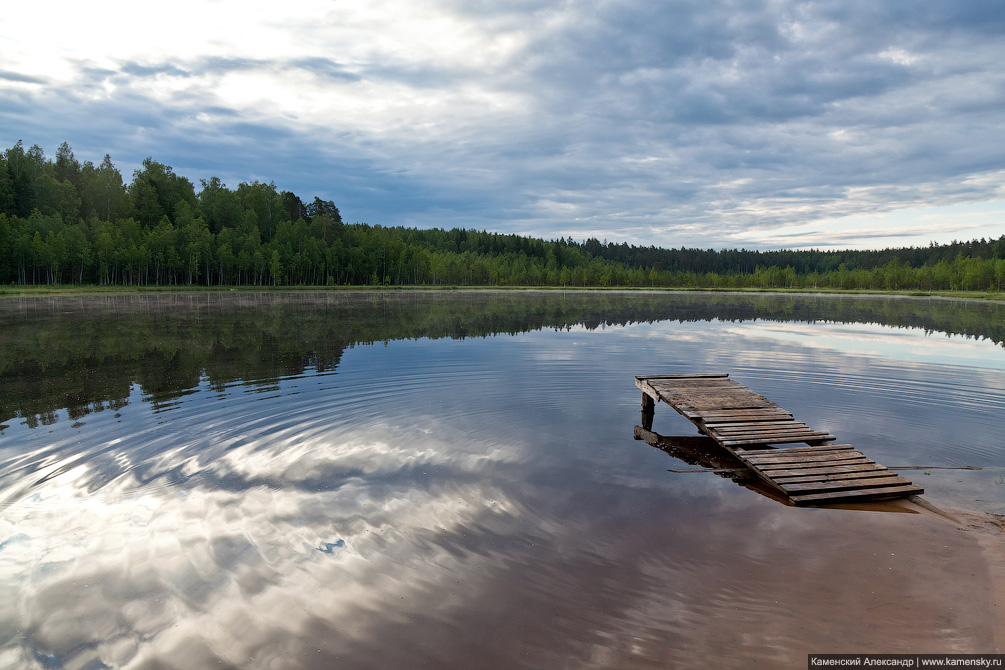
[769, 470]
[763, 427]
[648, 390]
[738, 425]
[867, 466]
[868, 474]
[684, 392]
[731, 388]
[696, 405]
[852, 496]
[705, 408]
[788, 470]
[732, 418]
[810, 468]
[843, 485]
[695, 375]
[803, 465]
[696, 382]
[678, 386]
[777, 431]
[820, 437]
[710, 393]
[725, 394]
[791, 428]
[748, 418]
[758, 426]
[677, 392]
[757, 414]
[819, 449]
[781, 453]
[807, 468]
[760, 434]
[842, 451]
[719, 403]
[736, 413]
[771, 438]
[702, 383]
[704, 391]
[826, 457]
[755, 433]
[645, 385]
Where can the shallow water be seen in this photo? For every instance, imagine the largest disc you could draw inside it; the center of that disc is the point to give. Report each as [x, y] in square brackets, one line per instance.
[450, 480]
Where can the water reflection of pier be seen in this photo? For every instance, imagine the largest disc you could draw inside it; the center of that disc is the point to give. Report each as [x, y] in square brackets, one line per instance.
[743, 426]
[705, 453]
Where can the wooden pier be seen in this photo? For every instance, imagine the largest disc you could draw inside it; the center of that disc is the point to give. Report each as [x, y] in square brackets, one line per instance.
[746, 424]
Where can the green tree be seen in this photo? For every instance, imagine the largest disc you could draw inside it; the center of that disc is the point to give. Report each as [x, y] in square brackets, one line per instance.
[220, 207]
[6, 188]
[266, 203]
[6, 252]
[293, 207]
[163, 244]
[196, 243]
[156, 183]
[104, 194]
[55, 197]
[319, 207]
[146, 203]
[999, 248]
[225, 258]
[105, 251]
[276, 268]
[79, 251]
[67, 168]
[21, 180]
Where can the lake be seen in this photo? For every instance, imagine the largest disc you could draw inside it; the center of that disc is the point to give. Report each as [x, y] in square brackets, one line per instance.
[450, 480]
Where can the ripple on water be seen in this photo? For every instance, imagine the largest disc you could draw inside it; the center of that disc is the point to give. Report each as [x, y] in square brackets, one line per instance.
[475, 502]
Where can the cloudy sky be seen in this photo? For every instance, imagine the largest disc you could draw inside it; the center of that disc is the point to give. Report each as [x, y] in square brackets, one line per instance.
[758, 124]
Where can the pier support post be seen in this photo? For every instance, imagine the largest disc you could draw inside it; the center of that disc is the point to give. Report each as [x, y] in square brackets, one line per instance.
[648, 409]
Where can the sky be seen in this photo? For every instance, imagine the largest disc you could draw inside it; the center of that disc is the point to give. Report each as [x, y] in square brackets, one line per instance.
[741, 124]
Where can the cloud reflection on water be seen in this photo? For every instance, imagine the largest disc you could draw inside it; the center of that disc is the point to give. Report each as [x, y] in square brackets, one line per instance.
[228, 569]
[450, 556]
[880, 342]
[478, 502]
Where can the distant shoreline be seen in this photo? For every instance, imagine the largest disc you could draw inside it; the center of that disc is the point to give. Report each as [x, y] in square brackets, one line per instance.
[90, 289]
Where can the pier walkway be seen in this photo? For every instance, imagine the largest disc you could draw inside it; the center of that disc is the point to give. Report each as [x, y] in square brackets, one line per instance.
[746, 424]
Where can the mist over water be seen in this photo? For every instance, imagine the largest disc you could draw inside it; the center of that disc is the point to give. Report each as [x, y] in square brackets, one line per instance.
[374, 480]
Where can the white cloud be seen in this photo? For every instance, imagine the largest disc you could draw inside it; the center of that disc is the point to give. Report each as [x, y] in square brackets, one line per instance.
[692, 125]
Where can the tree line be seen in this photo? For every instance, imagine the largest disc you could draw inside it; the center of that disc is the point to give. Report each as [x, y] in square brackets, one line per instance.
[67, 222]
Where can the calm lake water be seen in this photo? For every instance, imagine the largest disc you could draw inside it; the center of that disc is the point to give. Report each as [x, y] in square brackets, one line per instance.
[450, 480]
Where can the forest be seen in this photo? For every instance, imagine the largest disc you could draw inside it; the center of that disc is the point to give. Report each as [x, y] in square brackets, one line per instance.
[67, 222]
